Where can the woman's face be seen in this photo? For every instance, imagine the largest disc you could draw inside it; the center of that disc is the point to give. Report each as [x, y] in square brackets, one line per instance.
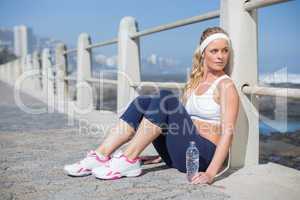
[216, 55]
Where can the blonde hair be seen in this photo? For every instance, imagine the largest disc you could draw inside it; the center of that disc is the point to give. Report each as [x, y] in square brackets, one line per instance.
[197, 71]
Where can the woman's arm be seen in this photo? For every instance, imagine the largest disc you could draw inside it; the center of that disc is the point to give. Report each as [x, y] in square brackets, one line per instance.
[229, 101]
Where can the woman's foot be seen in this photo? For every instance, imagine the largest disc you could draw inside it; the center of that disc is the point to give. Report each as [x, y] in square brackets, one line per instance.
[85, 166]
[119, 166]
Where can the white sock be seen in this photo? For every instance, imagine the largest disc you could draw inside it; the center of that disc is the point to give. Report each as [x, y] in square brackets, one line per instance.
[101, 156]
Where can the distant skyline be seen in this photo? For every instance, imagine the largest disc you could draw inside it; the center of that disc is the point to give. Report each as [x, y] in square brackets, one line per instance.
[278, 29]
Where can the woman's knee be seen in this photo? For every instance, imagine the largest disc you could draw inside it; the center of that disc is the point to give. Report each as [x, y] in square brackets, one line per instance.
[165, 96]
[169, 100]
[142, 102]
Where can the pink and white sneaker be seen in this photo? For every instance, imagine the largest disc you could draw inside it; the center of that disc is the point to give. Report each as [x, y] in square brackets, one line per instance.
[85, 166]
[118, 166]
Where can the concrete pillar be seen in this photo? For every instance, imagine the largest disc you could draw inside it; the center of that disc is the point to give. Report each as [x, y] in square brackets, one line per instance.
[84, 65]
[48, 78]
[37, 67]
[2, 71]
[129, 68]
[25, 63]
[20, 48]
[28, 68]
[11, 72]
[22, 65]
[242, 28]
[128, 63]
[29, 65]
[61, 73]
[281, 103]
[18, 68]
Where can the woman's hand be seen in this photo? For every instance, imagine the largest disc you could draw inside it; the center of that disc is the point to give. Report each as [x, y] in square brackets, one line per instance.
[202, 178]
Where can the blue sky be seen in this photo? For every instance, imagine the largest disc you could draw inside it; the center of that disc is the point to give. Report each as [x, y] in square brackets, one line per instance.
[64, 20]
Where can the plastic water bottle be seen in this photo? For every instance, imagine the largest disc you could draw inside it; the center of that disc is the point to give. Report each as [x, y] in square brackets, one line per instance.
[192, 161]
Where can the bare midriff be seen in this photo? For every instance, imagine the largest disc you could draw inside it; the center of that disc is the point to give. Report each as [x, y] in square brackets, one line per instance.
[210, 131]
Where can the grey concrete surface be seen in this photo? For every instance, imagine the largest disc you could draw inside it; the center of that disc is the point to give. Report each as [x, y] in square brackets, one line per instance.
[34, 149]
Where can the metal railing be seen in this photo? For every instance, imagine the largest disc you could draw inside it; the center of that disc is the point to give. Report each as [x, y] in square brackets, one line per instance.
[179, 23]
[165, 27]
[272, 91]
[104, 43]
[171, 85]
[268, 91]
[254, 4]
[70, 78]
[70, 51]
[95, 45]
[102, 80]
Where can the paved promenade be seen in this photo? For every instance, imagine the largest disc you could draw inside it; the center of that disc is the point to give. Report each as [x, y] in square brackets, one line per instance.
[34, 149]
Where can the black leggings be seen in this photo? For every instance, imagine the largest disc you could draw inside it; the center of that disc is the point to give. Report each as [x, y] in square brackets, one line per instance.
[166, 111]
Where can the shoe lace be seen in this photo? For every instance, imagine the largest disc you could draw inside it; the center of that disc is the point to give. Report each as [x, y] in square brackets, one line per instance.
[113, 162]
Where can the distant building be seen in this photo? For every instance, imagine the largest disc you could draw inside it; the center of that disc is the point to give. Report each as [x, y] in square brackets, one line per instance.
[6, 39]
[24, 41]
[20, 41]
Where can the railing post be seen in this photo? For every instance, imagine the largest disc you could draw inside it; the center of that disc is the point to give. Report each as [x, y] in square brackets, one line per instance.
[129, 68]
[11, 75]
[61, 73]
[242, 28]
[84, 62]
[2, 70]
[48, 83]
[5, 73]
[128, 62]
[27, 63]
[23, 65]
[28, 68]
[36, 66]
[10, 72]
[17, 67]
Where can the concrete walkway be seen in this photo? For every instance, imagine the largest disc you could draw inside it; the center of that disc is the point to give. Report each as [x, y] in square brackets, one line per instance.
[34, 149]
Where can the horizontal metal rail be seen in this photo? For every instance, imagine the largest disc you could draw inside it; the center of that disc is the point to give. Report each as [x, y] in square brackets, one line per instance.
[254, 4]
[183, 22]
[272, 91]
[92, 80]
[104, 43]
[70, 51]
[70, 78]
[98, 80]
[171, 85]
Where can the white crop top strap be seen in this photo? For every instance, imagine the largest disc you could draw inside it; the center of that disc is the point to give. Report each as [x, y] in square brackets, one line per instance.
[216, 82]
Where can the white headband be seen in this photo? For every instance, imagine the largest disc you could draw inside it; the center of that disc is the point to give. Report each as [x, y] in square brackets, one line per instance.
[209, 39]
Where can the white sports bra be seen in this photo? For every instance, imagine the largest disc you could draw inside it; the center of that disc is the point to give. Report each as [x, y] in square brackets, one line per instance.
[203, 107]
